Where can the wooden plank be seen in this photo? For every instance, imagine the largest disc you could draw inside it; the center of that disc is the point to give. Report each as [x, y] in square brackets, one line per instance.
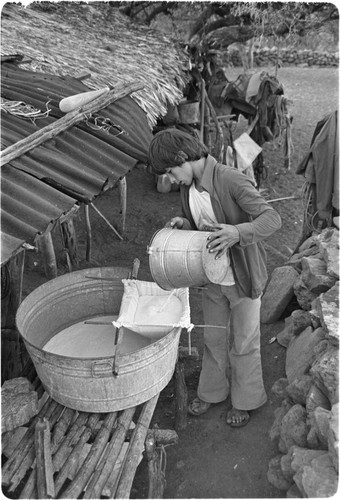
[45, 483]
[46, 249]
[181, 397]
[70, 241]
[91, 461]
[13, 272]
[28, 143]
[136, 445]
[102, 473]
[122, 195]
[83, 475]
[156, 462]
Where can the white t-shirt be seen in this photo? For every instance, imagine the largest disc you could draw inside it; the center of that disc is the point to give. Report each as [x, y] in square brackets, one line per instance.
[203, 215]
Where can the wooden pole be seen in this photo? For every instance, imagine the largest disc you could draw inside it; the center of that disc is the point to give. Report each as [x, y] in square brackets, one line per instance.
[88, 232]
[219, 132]
[46, 249]
[22, 458]
[107, 222]
[61, 452]
[78, 484]
[45, 484]
[70, 240]
[32, 141]
[122, 196]
[133, 453]
[202, 110]
[103, 471]
[156, 474]
[181, 398]
[16, 458]
[83, 475]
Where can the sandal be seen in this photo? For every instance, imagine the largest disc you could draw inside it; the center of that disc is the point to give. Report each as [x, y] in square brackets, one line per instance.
[234, 414]
[197, 407]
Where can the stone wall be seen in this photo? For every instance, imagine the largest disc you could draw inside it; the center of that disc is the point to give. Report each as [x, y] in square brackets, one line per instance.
[306, 425]
[287, 57]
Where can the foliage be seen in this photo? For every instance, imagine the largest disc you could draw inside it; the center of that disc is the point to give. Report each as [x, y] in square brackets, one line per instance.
[240, 21]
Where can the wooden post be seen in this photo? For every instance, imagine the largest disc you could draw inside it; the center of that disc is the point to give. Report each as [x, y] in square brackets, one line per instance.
[154, 457]
[202, 110]
[181, 397]
[83, 475]
[46, 249]
[11, 277]
[45, 484]
[70, 241]
[14, 355]
[133, 453]
[122, 196]
[14, 463]
[103, 471]
[218, 153]
[88, 232]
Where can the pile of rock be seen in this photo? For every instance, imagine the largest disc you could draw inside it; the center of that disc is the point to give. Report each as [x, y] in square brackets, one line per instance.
[306, 424]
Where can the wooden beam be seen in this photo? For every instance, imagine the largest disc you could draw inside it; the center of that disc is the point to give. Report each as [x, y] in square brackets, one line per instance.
[70, 241]
[88, 233]
[32, 141]
[122, 195]
[45, 483]
[136, 445]
[46, 249]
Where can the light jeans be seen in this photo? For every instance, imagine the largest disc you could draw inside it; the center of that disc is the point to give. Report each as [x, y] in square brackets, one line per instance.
[231, 353]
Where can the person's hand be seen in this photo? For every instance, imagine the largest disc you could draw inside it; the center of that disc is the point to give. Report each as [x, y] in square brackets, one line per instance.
[223, 237]
[175, 223]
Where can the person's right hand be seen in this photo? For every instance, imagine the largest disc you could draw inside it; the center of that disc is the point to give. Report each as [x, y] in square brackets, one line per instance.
[175, 223]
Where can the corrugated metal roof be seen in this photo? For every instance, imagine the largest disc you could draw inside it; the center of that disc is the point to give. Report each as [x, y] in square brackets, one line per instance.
[76, 165]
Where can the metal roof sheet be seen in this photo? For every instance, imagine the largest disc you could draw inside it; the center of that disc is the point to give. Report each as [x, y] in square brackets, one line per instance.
[76, 165]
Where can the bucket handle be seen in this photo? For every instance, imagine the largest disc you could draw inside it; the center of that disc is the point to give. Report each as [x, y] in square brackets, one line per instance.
[99, 369]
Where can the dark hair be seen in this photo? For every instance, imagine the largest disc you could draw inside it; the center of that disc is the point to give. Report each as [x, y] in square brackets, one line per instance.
[172, 147]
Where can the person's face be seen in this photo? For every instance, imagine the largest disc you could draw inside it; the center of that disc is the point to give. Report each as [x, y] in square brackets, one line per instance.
[182, 174]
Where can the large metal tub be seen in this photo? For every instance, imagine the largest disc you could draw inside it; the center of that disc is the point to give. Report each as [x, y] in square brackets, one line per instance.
[88, 384]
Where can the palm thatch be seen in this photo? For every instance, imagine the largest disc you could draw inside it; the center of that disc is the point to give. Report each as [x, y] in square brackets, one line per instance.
[70, 38]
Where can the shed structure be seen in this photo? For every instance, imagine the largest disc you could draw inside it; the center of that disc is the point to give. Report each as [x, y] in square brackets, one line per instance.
[45, 183]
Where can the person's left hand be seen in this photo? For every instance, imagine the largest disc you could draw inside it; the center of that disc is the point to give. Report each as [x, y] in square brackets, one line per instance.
[222, 237]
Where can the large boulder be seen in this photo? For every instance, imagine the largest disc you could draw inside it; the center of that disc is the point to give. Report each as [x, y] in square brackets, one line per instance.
[299, 388]
[285, 336]
[319, 479]
[300, 321]
[279, 413]
[333, 436]
[275, 475]
[325, 373]
[328, 242]
[303, 294]
[294, 429]
[316, 399]
[314, 275]
[327, 307]
[19, 403]
[278, 293]
[300, 352]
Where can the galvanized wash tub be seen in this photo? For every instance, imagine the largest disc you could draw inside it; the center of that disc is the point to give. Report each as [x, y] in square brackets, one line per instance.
[88, 384]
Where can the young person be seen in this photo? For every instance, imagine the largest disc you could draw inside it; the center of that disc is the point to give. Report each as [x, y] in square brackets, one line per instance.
[224, 200]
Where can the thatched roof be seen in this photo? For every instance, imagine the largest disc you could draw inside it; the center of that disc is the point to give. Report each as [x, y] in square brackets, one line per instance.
[70, 38]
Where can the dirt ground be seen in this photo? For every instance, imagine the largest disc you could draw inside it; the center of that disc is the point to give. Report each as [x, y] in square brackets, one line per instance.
[212, 460]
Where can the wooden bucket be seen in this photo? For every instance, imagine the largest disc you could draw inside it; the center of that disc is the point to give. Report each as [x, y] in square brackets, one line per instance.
[88, 384]
[180, 259]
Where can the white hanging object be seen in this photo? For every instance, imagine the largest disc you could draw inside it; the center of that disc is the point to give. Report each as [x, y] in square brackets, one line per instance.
[75, 101]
